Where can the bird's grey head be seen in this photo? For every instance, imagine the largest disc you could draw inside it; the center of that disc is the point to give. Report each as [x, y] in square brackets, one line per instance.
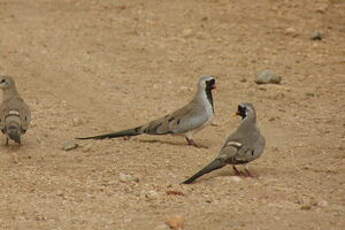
[6, 82]
[246, 110]
[207, 82]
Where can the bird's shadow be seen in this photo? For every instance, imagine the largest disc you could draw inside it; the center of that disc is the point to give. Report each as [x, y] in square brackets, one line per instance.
[222, 174]
[170, 143]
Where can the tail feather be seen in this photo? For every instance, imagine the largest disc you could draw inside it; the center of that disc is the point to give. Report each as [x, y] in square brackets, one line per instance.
[124, 133]
[13, 131]
[216, 164]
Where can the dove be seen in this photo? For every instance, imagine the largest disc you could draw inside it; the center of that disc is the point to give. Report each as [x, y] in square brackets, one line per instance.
[15, 115]
[185, 121]
[241, 147]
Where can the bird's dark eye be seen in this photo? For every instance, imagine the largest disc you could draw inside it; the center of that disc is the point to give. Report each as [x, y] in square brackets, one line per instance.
[2, 81]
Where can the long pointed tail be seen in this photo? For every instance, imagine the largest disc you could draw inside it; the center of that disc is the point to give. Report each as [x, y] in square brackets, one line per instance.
[124, 133]
[216, 164]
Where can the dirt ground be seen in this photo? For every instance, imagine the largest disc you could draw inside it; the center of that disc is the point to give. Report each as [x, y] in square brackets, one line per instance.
[89, 67]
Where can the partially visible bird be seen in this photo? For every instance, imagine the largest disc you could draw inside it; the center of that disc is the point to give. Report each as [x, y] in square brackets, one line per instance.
[185, 121]
[241, 147]
[15, 115]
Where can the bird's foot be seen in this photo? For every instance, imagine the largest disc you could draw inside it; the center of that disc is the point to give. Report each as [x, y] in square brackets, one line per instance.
[192, 142]
[249, 174]
[126, 138]
[237, 172]
[246, 173]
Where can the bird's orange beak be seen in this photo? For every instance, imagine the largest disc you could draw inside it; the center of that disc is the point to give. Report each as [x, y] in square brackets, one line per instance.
[237, 114]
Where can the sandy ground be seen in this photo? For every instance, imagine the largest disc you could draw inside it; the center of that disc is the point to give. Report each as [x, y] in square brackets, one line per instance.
[88, 67]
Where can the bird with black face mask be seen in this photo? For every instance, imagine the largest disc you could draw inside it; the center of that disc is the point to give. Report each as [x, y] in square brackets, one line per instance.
[241, 147]
[185, 121]
[15, 115]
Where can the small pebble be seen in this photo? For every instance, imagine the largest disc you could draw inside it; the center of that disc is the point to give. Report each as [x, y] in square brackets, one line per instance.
[322, 203]
[322, 8]
[235, 178]
[291, 31]
[310, 94]
[306, 207]
[127, 178]
[317, 36]
[86, 148]
[59, 193]
[185, 88]
[262, 88]
[77, 121]
[267, 77]
[151, 195]
[69, 145]
[205, 18]
[162, 227]
[175, 222]
[175, 193]
[187, 33]
[214, 123]
[39, 140]
[272, 119]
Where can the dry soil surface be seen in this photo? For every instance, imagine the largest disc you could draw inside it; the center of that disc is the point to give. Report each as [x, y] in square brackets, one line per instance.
[88, 67]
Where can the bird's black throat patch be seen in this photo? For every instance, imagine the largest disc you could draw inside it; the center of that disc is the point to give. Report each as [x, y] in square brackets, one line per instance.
[241, 111]
[210, 85]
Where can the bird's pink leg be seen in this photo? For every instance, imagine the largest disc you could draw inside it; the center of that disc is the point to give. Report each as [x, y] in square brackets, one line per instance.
[237, 172]
[192, 142]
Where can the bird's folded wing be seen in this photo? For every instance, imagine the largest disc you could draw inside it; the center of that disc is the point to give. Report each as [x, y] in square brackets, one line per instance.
[15, 106]
[180, 121]
[230, 149]
[25, 116]
[2, 116]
